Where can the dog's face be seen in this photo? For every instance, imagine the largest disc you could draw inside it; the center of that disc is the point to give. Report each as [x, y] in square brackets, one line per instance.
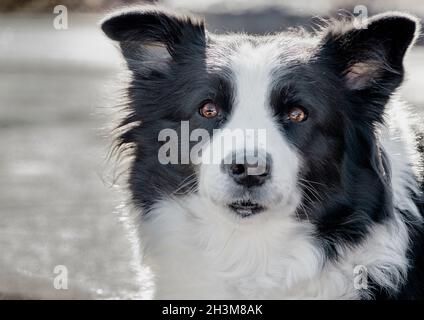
[300, 111]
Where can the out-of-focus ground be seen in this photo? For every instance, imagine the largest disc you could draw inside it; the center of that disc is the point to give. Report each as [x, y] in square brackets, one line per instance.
[57, 206]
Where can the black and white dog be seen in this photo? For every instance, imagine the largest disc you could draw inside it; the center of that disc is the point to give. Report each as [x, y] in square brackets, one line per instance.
[334, 194]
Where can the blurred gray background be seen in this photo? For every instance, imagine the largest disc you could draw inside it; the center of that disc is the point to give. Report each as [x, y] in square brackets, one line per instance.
[58, 205]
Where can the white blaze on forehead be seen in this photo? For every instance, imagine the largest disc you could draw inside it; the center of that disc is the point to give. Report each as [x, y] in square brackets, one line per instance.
[251, 119]
[252, 67]
[251, 122]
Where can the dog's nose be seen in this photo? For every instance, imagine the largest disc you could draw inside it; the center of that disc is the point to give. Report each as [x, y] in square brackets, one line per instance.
[252, 171]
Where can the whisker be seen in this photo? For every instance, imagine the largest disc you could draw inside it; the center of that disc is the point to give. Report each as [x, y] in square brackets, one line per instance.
[186, 182]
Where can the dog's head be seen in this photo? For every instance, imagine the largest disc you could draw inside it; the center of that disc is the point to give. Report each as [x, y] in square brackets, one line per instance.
[260, 125]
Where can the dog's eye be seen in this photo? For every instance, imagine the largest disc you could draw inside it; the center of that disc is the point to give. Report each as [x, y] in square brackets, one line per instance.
[209, 110]
[297, 114]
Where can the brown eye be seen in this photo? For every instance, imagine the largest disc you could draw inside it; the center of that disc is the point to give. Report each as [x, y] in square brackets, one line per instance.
[297, 115]
[209, 110]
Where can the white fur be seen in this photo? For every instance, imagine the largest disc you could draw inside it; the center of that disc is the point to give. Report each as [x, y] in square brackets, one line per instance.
[197, 249]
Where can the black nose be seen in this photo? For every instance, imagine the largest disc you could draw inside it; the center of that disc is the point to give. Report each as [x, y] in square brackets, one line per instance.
[251, 171]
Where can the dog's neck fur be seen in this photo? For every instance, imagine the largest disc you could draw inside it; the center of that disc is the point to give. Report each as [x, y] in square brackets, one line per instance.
[198, 253]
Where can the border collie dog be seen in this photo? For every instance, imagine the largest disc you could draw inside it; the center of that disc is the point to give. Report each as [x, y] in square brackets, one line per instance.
[332, 206]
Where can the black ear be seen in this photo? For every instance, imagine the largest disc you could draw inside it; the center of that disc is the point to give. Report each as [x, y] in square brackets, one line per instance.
[369, 56]
[153, 34]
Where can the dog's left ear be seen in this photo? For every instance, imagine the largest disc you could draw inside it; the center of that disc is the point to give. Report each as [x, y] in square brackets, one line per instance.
[369, 56]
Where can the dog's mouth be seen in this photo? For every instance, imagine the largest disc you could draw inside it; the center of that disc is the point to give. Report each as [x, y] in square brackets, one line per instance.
[246, 208]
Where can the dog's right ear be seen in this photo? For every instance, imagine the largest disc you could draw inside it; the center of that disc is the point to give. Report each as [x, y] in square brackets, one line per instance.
[151, 35]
